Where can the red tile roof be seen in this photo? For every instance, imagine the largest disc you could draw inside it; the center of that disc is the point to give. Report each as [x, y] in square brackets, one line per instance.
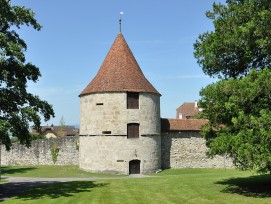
[119, 72]
[182, 124]
[187, 110]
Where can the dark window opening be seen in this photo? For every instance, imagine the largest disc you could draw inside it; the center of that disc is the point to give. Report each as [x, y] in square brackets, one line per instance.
[106, 132]
[120, 160]
[133, 130]
[134, 167]
[132, 100]
[99, 104]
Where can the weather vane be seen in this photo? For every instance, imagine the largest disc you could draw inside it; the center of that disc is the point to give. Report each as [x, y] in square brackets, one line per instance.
[121, 13]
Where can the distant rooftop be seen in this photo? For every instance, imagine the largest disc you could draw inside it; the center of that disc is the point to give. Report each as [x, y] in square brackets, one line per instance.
[187, 110]
[57, 130]
[182, 124]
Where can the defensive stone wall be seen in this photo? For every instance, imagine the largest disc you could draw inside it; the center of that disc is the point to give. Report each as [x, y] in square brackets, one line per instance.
[178, 150]
[65, 152]
[187, 149]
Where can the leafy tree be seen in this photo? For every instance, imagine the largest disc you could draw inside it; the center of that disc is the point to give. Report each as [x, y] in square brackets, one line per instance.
[17, 106]
[239, 113]
[241, 39]
[62, 126]
[238, 107]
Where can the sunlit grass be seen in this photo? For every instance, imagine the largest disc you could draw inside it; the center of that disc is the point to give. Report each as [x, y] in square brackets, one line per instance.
[54, 171]
[171, 186]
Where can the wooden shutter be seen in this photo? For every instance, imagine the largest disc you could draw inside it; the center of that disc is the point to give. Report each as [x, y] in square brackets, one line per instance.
[132, 100]
[133, 130]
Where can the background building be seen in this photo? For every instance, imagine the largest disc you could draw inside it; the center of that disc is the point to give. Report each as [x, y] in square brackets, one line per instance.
[188, 110]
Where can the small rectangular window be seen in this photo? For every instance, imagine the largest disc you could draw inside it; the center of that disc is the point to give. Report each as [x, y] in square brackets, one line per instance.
[132, 130]
[120, 160]
[132, 100]
[106, 132]
[99, 104]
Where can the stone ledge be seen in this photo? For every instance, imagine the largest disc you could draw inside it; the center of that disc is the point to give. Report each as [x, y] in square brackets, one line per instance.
[106, 135]
[149, 135]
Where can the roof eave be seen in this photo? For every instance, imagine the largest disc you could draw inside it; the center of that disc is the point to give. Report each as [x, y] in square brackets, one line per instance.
[95, 92]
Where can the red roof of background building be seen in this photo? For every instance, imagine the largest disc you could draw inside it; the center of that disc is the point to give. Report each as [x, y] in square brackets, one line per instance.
[119, 72]
[182, 124]
[188, 109]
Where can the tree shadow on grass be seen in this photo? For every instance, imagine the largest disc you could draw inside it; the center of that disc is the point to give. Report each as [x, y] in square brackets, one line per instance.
[49, 189]
[10, 171]
[254, 186]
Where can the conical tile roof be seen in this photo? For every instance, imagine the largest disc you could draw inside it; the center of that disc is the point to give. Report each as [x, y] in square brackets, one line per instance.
[119, 72]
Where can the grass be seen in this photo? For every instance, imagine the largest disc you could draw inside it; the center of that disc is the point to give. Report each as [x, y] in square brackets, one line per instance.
[197, 186]
[43, 171]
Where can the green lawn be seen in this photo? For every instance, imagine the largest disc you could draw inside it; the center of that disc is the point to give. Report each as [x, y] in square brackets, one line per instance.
[55, 171]
[171, 186]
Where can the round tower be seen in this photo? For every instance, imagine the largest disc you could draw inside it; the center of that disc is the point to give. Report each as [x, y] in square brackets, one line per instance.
[120, 117]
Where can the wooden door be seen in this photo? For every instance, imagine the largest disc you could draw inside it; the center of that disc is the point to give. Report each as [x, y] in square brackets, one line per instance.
[134, 167]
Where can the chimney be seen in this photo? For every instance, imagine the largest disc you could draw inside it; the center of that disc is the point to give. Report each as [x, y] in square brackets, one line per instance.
[196, 104]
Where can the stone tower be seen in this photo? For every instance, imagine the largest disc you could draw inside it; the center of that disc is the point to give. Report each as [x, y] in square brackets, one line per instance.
[120, 117]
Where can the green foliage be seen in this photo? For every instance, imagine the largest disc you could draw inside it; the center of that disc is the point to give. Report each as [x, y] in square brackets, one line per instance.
[239, 110]
[77, 144]
[241, 40]
[54, 151]
[32, 138]
[37, 137]
[239, 113]
[62, 127]
[17, 106]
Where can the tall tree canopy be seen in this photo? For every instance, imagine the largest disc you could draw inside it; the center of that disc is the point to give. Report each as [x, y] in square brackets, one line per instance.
[17, 107]
[239, 113]
[241, 39]
[238, 106]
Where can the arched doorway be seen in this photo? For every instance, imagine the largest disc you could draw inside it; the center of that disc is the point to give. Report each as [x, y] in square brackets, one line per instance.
[134, 167]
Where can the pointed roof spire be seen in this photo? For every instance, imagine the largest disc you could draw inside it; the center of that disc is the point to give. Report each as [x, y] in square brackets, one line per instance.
[120, 24]
[119, 72]
[121, 13]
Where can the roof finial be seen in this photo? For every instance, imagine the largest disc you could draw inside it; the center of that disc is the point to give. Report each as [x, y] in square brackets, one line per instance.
[121, 13]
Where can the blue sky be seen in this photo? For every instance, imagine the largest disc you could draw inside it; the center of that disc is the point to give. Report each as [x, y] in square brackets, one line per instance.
[77, 35]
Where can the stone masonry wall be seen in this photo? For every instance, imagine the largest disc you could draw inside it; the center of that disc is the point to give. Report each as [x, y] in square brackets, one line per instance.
[112, 154]
[188, 150]
[101, 112]
[40, 152]
[104, 146]
[178, 150]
